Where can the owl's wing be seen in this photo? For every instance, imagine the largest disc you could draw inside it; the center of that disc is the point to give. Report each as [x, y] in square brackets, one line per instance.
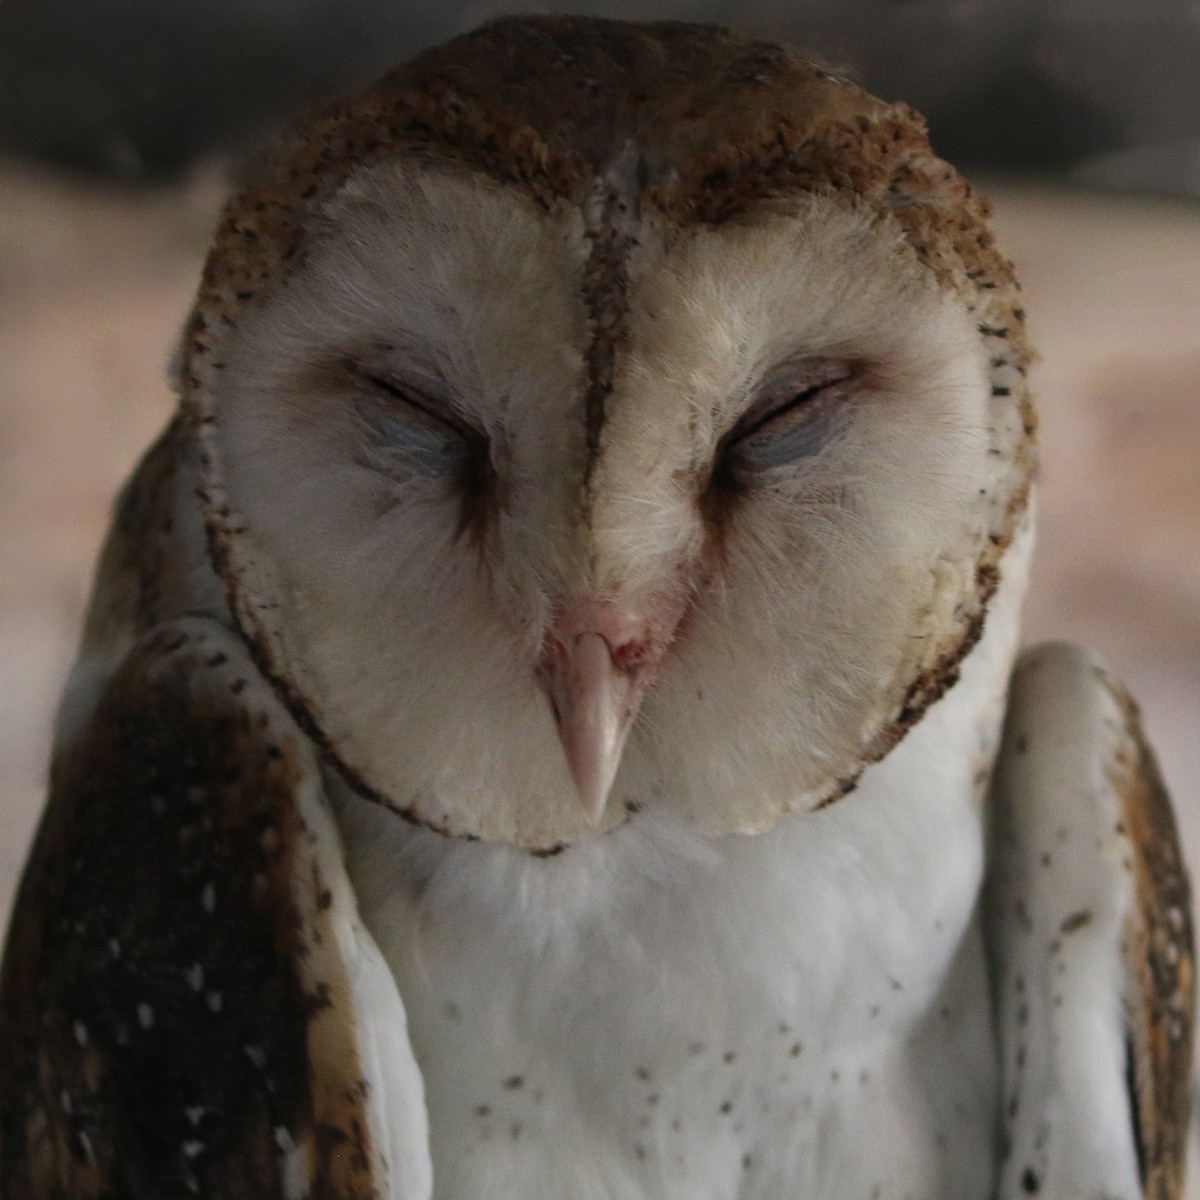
[189, 1003]
[1090, 933]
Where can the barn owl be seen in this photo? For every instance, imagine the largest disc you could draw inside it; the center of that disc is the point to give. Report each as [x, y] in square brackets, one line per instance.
[549, 724]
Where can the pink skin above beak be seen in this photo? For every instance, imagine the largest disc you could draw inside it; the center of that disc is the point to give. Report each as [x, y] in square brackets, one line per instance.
[596, 666]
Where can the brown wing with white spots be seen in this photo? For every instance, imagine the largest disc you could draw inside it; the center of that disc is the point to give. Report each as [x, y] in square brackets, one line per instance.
[188, 1004]
[1090, 931]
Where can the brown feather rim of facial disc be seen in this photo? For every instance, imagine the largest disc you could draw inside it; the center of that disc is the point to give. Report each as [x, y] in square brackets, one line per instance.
[513, 101]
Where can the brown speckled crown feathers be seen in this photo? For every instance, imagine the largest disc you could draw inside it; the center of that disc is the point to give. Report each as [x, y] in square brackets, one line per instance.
[722, 125]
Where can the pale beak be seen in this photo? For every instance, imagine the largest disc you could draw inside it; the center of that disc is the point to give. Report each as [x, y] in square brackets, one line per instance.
[594, 702]
[598, 660]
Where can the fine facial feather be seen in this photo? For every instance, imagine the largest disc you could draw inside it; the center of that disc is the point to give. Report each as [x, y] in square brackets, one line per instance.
[713, 317]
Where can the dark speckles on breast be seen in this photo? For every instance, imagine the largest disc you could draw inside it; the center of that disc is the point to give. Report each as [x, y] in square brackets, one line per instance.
[1076, 920]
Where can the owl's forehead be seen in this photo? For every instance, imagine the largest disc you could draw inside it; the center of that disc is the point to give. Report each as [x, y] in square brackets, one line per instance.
[604, 304]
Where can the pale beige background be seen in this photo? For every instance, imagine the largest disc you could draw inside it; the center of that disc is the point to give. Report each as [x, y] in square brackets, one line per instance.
[94, 284]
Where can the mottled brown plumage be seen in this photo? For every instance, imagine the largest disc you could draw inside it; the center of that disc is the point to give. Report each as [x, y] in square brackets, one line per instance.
[1160, 960]
[173, 1014]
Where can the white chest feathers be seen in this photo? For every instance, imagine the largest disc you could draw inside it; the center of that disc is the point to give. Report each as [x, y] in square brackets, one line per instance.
[654, 1013]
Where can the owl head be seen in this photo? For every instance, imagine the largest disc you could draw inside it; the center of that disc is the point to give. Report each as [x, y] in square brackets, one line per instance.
[598, 418]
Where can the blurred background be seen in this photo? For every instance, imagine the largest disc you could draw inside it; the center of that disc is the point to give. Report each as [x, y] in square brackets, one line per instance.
[121, 120]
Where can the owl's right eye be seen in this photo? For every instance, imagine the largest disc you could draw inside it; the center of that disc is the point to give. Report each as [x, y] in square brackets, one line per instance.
[412, 427]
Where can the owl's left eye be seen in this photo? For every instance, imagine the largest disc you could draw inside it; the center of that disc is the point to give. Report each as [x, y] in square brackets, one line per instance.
[795, 417]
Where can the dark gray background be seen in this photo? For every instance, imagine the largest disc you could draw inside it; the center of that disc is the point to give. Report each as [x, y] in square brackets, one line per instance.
[1097, 90]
